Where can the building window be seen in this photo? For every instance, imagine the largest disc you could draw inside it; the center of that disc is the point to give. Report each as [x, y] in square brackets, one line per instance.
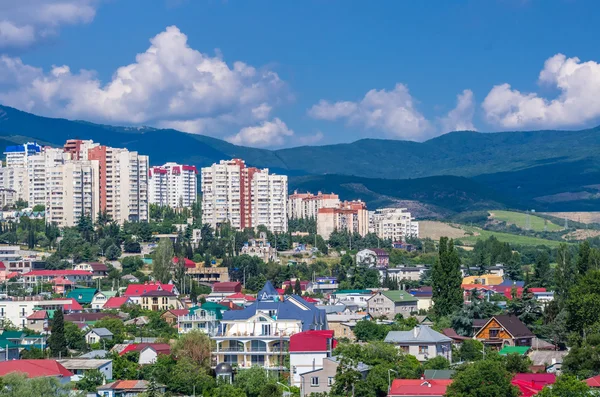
[423, 349]
[494, 332]
[314, 381]
[330, 381]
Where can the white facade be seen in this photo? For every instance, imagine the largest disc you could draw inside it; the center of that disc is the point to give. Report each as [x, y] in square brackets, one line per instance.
[394, 224]
[201, 320]
[244, 197]
[15, 178]
[130, 183]
[173, 185]
[72, 192]
[16, 156]
[38, 166]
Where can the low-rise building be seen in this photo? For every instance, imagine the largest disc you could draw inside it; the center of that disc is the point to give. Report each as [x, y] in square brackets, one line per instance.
[239, 299]
[83, 296]
[503, 330]
[159, 301]
[79, 367]
[115, 302]
[36, 277]
[357, 297]
[419, 387]
[148, 351]
[400, 273]
[307, 352]
[37, 369]
[321, 380]
[260, 248]
[391, 303]
[421, 342]
[373, 257]
[99, 270]
[96, 335]
[205, 318]
[343, 324]
[222, 290]
[208, 273]
[127, 388]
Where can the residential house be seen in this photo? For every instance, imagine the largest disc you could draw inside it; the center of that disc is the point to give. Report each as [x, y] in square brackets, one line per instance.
[37, 369]
[551, 360]
[484, 279]
[260, 333]
[127, 388]
[95, 354]
[358, 297]
[205, 318]
[222, 290]
[307, 351]
[594, 383]
[171, 315]
[208, 274]
[88, 318]
[79, 366]
[83, 296]
[239, 299]
[99, 270]
[321, 380]
[500, 331]
[61, 285]
[343, 324]
[422, 342]
[439, 373]
[135, 291]
[424, 297]
[532, 384]
[374, 257]
[391, 303]
[305, 286]
[160, 300]
[17, 310]
[130, 278]
[419, 387]
[325, 285]
[100, 298]
[261, 248]
[148, 351]
[36, 277]
[400, 273]
[456, 338]
[38, 321]
[115, 302]
[95, 335]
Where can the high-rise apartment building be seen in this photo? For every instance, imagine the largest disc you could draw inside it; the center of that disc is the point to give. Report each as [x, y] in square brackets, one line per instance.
[395, 224]
[72, 192]
[173, 185]
[37, 167]
[307, 205]
[351, 216]
[15, 178]
[123, 179]
[16, 156]
[243, 196]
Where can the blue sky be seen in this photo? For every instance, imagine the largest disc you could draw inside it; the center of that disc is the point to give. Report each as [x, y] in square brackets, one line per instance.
[311, 72]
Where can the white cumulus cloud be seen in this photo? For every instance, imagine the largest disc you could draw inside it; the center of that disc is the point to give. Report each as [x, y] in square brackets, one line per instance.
[170, 85]
[23, 22]
[461, 117]
[578, 102]
[395, 114]
[267, 134]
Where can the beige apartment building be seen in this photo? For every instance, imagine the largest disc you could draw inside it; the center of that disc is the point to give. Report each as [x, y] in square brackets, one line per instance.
[351, 216]
[243, 196]
[72, 192]
[307, 205]
[395, 224]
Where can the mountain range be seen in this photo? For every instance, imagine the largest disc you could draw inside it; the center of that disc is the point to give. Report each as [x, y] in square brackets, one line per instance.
[464, 170]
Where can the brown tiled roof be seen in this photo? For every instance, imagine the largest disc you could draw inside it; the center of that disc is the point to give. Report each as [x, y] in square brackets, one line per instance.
[514, 326]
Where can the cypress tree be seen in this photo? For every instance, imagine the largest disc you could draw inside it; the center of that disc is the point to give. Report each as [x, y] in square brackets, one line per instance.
[297, 287]
[446, 279]
[57, 341]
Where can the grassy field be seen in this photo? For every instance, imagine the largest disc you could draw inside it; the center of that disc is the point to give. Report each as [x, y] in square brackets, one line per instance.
[504, 237]
[520, 219]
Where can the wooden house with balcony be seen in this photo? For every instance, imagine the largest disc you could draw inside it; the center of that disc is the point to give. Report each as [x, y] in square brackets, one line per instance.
[505, 330]
[259, 334]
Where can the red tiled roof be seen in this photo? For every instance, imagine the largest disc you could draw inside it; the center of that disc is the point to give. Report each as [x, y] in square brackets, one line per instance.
[179, 312]
[239, 295]
[70, 304]
[531, 384]
[61, 281]
[84, 317]
[310, 341]
[34, 368]
[229, 286]
[139, 289]
[158, 293]
[58, 273]
[126, 385]
[451, 333]
[309, 299]
[99, 267]
[419, 387]
[115, 302]
[2, 266]
[188, 263]
[159, 348]
[593, 381]
[39, 315]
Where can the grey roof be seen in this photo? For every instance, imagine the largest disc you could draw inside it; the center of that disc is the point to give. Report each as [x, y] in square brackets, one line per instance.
[419, 334]
[83, 363]
[438, 373]
[292, 307]
[268, 292]
[360, 367]
[332, 308]
[345, 317]
[94, 354]
[545, 357]
[101, 332]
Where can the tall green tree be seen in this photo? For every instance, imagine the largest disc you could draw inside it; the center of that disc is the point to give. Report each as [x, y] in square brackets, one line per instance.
[566, 386]
[57, 341]
[583, 258]
[583, 304]
[541, 270]
[483, 378]
[446, 279]
[162, 261]
[297, 287]
[564, 274]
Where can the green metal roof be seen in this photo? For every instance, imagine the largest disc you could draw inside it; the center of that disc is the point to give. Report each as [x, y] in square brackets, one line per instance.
[109, 294]
[353, 291]
[399, 296]
[82, 295]
[5, 343]
[522, 350]
[12, 335]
